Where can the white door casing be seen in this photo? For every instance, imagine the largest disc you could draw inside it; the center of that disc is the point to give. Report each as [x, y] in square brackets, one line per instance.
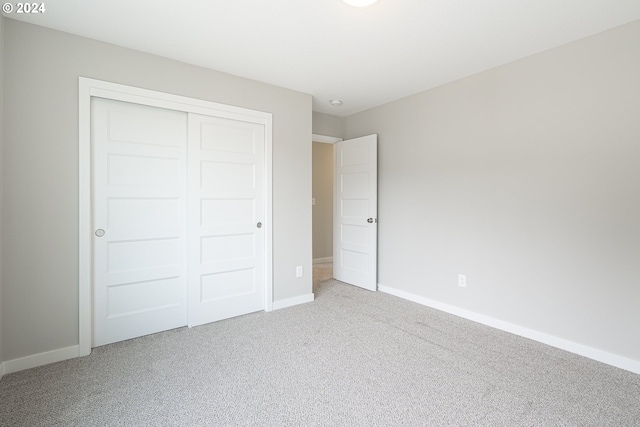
[356, 211]
[139, 195]
[226, 218]
[89, 89]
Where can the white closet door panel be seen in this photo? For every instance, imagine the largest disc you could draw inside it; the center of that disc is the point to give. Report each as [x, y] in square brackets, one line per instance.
[139, 200]
[226, 203]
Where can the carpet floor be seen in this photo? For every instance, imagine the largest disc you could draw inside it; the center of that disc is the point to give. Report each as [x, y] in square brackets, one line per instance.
[350, 358]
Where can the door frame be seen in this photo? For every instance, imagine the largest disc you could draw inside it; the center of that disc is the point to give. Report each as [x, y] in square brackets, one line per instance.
[325, 139]
[334, 140]
[331, 140]
[89, 88]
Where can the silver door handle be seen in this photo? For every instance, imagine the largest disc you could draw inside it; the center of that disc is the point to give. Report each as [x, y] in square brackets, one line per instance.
[99, 232]
[371, 220]
[259, 225]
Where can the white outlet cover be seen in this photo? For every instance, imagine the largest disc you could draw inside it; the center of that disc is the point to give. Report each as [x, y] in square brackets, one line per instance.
[462, 280]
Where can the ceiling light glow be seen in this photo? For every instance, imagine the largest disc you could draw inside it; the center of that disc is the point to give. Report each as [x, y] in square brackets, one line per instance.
[359, 3]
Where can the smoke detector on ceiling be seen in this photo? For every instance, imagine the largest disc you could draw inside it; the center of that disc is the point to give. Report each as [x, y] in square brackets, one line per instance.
[335, 102]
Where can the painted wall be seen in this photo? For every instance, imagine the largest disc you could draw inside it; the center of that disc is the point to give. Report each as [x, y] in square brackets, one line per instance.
[328, 125]
[41, 171]
[526, 178]
[323, 193]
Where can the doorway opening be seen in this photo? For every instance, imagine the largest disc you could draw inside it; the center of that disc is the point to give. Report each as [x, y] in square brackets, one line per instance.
[354, 208]
[322, 205]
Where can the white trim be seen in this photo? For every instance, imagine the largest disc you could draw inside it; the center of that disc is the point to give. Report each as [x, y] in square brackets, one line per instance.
[327, 140]
[96, 88]
[290, 302]
[268, 212]
[84, 218]
[40, 359]
[563, 344]
[324, 138]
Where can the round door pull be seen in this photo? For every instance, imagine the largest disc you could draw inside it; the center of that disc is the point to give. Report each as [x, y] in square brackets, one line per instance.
[99, 232]
[259, 225]
[370, 220]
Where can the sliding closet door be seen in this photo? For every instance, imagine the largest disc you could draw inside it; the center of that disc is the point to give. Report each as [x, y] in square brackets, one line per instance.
[139, 159]
[178, 204]
[226, 216]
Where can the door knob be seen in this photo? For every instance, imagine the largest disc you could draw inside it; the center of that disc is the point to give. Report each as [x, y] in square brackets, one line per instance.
[99, 232]
[370, 220]
[259, 225]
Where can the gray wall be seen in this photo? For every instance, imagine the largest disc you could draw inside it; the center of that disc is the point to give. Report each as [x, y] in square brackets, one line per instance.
[323, 193]
[328, 125]
[40, 278]
[526, 178]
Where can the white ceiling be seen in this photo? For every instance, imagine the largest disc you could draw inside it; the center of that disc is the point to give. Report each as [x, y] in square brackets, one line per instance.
[363, 56]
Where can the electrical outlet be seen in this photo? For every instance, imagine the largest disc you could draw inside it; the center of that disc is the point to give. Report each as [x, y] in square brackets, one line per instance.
[462, 280]
[299, 271]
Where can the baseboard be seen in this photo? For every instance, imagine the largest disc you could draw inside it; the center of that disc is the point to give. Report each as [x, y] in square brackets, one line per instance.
[290, 302]
[40, 359]
[570, 346]
[323, 260]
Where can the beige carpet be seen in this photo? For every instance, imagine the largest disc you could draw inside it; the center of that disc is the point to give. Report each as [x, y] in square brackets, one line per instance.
[321, 273]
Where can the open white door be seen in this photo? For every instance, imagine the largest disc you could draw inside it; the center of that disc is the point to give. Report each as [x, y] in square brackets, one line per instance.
[355, 230]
